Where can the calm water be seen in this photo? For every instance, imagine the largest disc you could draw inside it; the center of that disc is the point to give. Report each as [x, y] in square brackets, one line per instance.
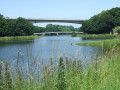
[45, 48]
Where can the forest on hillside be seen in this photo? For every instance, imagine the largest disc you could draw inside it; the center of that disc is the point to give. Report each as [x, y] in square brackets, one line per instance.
[102, 23]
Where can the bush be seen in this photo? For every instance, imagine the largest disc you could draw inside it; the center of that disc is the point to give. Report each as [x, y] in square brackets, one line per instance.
[73, 34]
[117, 29]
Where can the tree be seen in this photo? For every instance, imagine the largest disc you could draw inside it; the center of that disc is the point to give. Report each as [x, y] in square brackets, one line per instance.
[105, 23]
[23, 27]
[102, 23]
[59, 28]
[117, 22]
[11, 27]
[115, 12]
[3, 26]
[39, 29]
[117, 29]
[49, 28]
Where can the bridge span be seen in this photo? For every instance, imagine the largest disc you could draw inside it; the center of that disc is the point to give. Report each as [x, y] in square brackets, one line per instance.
[39, 20]
[57, 33]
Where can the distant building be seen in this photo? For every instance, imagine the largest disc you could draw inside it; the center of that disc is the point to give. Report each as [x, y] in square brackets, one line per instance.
[113, 31]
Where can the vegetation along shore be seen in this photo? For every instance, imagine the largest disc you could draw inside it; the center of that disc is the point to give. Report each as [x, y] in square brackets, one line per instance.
[98, 36]
[102, 43]
[17, 38]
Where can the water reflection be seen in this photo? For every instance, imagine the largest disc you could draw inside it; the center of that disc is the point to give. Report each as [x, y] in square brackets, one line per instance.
[45, 48]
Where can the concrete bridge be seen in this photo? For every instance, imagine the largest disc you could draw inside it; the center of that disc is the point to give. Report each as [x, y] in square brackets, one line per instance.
[57, 33]
[38, 20]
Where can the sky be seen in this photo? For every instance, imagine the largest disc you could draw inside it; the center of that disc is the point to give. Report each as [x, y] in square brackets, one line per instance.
[55, 9]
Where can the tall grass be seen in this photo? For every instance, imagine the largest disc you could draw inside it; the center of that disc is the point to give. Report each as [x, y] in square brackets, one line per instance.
[102, 43]
[66, 75]
[15, 38]
[100, 74]
[98, 36]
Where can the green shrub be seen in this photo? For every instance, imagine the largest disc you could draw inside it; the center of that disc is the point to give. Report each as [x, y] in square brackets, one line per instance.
[117, 29]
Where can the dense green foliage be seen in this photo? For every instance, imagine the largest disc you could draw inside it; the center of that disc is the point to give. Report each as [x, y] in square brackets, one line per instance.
[55, 28]
[59, 28]
[98, 36]
[102, 43]
[103, 22]
[3, 26]
[73, 34]
[17, 38]
[39, 29]
[18, 27]
[23, 28]
[117, 29]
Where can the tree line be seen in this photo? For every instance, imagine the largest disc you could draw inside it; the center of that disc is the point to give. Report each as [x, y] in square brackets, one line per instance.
[21, 27]
[104, 22]
[55, 28]
[18, 27]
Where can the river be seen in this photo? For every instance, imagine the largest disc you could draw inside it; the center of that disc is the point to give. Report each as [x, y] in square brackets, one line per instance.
[46, 47]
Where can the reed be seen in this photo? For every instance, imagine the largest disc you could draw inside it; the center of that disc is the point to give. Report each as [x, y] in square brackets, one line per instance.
[61, 71]
[1, 77]
[8, 80]
[100, 73]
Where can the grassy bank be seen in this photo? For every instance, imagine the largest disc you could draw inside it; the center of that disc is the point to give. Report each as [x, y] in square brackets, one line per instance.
[98, 36]
[103, 43]
[15, 38]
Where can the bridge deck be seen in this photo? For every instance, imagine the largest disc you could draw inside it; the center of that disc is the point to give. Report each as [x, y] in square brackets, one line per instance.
[38, 20]
[57, 33]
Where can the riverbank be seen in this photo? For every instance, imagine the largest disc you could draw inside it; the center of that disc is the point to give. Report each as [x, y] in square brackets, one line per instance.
[103, 43]
[98, 36]
[16, 38]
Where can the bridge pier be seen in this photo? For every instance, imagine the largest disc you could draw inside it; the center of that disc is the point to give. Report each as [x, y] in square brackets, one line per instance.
[57, 34]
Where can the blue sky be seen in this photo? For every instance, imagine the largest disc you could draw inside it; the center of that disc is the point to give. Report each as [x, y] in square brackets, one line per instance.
[55, 9]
